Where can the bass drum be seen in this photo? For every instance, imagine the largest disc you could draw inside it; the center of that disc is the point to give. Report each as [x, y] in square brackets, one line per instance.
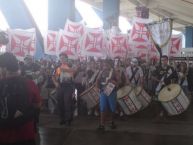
[143, 96]
[90, 96]
[173, 99]
[128, 100]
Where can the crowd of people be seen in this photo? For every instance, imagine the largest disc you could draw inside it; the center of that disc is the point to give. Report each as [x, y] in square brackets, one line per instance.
[27, 85]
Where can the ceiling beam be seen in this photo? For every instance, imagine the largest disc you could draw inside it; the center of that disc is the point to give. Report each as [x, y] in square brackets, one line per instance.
[174, 6]
[178, 18]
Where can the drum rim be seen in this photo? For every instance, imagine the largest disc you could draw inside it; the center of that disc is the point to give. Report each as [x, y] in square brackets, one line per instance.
[86, 91]
[137, 94]
[172, 98]
[127, 93]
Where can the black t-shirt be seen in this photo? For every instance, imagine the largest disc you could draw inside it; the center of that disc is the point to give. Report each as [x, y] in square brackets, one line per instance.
[169, 74]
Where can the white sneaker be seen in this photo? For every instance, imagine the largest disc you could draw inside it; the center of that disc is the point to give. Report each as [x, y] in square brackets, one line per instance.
[76, 112]
[121, 114]
[89, 112]
[96, 113]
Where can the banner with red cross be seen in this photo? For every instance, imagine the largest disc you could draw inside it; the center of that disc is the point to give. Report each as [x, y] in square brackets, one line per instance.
[172, 49]
[93, 43]
[75, 27]
[20, 42]
[68, 43]
[139, 35]
[50, 41]
[118, 46]
[176, 45]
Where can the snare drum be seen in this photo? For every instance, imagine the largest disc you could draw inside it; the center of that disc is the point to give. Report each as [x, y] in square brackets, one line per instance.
[143, 96]
[128, 100]
[90, 96]
[173, 99]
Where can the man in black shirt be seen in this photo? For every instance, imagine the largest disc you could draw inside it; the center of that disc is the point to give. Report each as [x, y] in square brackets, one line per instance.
[163, 76]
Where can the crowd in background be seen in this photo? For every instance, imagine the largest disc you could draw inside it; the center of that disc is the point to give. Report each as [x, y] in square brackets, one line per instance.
[87, 71]
[57, 86]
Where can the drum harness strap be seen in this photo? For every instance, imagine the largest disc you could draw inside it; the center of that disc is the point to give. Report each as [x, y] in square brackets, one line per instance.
[160, 85]
[181, 82]
[133, 75]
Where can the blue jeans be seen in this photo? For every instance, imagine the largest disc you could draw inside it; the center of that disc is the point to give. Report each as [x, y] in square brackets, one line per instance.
[108, 101]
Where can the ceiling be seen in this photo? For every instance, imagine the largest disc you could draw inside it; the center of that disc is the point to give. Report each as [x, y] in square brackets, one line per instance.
[181, 11]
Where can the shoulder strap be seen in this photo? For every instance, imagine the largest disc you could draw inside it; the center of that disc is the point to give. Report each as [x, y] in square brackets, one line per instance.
[133, 73]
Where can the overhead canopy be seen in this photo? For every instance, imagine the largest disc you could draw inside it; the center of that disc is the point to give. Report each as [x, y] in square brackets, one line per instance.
[180, 10]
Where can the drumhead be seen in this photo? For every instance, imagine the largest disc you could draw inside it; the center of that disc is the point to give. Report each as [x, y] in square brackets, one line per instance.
[138, 90]
[169, 92]
[123, 91]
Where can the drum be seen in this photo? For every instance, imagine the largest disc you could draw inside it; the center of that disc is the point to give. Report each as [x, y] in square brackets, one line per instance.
[90, 96]
[142, 96]
[173, 99]
[128, 100]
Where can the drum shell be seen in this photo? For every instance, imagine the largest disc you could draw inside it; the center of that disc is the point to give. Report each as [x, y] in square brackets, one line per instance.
[129, 103]
[143, 97]
[173, 99]
[177, 105]
[91, 97]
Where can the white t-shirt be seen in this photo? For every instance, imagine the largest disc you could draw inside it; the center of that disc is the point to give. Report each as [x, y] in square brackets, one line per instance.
[137, 76]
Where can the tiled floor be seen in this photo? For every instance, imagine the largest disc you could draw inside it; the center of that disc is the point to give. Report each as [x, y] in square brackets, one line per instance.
[134, 130]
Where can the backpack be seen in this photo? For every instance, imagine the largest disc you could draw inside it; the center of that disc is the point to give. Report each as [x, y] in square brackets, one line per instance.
[14, 96]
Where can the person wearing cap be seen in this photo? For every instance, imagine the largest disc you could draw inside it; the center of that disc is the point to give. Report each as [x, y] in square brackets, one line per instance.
[16, 120]
[134, 73]
[63, 80]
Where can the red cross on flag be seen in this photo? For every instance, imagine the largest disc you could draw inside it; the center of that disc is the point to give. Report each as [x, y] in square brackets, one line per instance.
[50, 42]
[118, 46]
[176, 45]
[68, 43]
[20, 42]
[93, 43]
[74, 27]
[139, 35]
[139, 32]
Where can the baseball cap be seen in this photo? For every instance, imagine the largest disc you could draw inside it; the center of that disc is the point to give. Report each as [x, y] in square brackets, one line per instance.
[134, 61]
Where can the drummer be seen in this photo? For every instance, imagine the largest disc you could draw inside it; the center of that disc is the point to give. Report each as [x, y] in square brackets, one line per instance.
[163, 76]
[107, 84]
[134, 73]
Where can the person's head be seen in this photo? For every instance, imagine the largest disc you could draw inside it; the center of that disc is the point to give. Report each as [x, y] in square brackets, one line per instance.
[116, 62]
[91, 65]
[107, 64]
[164, 60]
[134, 62]
[183, 67]
[63, 57]
[8, 64]
[28, 60]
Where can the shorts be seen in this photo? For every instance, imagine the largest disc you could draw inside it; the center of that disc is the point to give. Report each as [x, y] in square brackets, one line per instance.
[108, 102]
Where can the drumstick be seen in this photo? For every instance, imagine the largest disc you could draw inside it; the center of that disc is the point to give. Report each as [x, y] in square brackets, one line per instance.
[155, 79]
